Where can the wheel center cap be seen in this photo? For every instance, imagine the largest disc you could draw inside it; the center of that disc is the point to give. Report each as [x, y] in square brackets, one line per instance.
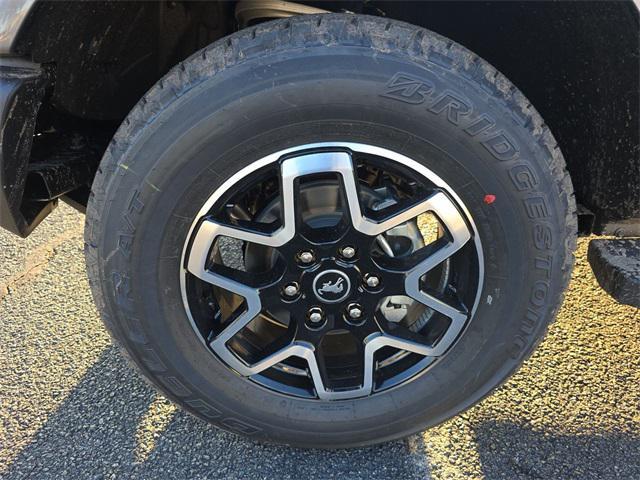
[331, 286]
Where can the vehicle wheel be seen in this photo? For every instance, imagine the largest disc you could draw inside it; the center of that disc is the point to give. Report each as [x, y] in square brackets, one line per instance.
[330, 231]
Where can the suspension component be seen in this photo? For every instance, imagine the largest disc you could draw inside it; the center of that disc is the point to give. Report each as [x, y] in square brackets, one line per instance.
[249, 12]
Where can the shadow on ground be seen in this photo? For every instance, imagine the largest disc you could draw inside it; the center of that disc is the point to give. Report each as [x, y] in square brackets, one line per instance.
[515, 452]
[93, 434]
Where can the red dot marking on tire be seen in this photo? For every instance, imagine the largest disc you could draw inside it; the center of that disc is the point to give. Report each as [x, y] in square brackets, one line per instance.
[489, 199]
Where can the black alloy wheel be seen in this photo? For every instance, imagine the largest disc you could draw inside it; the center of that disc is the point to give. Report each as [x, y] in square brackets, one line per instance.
[307, 272]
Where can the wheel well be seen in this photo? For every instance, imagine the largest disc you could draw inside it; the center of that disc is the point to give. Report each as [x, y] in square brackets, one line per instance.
[578, 64]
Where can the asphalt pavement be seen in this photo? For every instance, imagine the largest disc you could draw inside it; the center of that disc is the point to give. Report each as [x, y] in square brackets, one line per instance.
[71, 408]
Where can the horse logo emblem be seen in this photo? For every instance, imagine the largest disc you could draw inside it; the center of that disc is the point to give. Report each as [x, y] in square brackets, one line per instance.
[331, 286]
[336, 287]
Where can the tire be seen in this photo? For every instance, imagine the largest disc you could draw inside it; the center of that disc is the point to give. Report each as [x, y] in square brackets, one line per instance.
[330, 78]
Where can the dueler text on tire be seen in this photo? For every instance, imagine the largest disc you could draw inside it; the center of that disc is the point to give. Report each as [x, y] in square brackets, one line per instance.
[330, 230]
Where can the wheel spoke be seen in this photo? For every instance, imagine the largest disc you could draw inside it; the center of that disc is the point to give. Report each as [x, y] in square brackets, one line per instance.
[454, 313]
[209, 230]
[455, 225]
[459, 235]
[290, 170]
[372, 344]
[296, 349]
[327, 394]
[456, 228]
[398, 336]
[197, 265]
[341, 163]
[373, 228]
[299, 349]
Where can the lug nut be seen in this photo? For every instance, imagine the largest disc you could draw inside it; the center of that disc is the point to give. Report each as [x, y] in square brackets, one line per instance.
[306, 257]
[315, 315]
[372, 281]
[348, 252]
[291, 289]
[355, 311]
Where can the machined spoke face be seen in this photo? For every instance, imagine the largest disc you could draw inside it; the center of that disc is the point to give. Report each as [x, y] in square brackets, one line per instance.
[348, 291]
